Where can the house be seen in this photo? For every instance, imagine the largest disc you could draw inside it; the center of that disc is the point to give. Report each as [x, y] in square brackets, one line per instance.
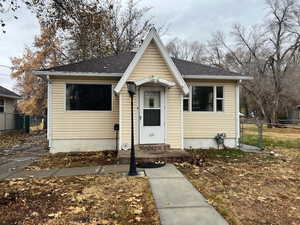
[293, 115]
[178, 103]
[8, 100]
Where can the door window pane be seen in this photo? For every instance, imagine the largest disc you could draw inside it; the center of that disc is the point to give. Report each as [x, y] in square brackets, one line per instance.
[151, 117]
[203, 98]
[151, 99]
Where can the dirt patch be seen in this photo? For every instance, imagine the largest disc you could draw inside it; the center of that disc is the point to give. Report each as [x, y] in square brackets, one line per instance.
[68, 160]
[106, 199]
[252, 188]
[18, 138]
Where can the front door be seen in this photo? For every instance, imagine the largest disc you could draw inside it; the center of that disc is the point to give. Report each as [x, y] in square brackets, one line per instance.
[152, 115]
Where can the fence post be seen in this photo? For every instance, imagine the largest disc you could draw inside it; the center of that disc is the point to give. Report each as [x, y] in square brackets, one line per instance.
[26, 124]
[260, 134]
[4, 116]
[241, 132]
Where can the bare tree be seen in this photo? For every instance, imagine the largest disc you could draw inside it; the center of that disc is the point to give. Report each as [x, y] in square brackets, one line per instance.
[182, 49]
[269, 52]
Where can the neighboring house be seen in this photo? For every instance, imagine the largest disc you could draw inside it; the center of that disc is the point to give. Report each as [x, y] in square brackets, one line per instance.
[8, 100]
[179, 103]
[293, 114]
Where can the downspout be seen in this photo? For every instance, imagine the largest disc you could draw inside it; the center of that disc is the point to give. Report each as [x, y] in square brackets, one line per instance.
[49, 109]
[237, 113]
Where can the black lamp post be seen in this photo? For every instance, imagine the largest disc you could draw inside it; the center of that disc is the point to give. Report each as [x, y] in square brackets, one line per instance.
[132, 169]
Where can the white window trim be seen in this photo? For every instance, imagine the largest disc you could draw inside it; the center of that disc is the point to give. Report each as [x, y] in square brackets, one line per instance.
[216, 98]
[214, 101]
[89, 111]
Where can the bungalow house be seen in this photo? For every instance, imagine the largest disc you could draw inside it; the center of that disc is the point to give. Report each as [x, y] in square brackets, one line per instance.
[8, 100]
[179, 104]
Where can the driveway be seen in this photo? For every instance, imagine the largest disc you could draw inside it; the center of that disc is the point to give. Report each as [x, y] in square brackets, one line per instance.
[14, 158]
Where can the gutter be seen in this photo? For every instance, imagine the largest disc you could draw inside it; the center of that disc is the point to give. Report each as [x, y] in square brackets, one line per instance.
[93, 74]
[66, 73]
[10, 96]
[217, 77]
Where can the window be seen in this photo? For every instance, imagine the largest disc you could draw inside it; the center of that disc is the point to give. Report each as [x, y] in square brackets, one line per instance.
[151, 108]
[205, 98]
[88, 97]
[202, 98]
[186, 102]
[1, 105]
[220, 98]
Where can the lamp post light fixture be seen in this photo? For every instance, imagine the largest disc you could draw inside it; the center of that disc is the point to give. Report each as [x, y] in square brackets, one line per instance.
[132, 169]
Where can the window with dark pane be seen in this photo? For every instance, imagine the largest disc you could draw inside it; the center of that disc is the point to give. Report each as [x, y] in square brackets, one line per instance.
[151, 117]
[202, 98]
[219, 105]
[1, 105]
[151, 112]
[219, 92]
[94, 97]
[220, 98]
[186, 102]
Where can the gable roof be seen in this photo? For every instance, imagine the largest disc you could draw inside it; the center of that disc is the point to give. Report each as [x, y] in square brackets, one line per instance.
[153, 36]
[122, 65]
[4, 92]
[117, 64]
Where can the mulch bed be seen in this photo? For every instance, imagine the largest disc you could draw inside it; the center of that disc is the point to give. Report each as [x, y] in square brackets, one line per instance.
[106, 199]
[68, 160]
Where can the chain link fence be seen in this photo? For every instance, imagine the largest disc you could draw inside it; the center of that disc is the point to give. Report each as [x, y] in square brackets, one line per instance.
[261, 134]
[20, 122]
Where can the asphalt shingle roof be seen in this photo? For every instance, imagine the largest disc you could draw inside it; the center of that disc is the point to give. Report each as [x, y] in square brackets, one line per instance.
[119, 63]
[6, 92]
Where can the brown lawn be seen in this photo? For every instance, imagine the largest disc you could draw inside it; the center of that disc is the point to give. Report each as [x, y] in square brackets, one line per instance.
[105, 199]
[249, 188]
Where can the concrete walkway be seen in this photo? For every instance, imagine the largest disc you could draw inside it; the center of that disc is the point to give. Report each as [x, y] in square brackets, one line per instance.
[250, 148]
[61, 172]
[178, 202]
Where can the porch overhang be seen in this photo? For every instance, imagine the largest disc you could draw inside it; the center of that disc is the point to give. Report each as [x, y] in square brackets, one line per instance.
[155, 80]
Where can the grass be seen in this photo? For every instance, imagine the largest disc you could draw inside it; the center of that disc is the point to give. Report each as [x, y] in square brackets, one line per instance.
[272, 137]
[270, 142]
[91, 200]
[250, 188]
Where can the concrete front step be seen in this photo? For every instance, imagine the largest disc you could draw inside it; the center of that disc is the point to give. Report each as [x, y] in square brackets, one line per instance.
[154, 156]
[152, 147]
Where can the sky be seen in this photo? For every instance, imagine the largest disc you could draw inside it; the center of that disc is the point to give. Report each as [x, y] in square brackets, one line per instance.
[187, 19]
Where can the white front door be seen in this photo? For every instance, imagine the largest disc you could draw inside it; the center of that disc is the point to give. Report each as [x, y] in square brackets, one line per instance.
[152, 115]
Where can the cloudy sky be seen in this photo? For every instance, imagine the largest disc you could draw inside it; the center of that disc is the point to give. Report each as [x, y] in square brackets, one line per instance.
[188, 19]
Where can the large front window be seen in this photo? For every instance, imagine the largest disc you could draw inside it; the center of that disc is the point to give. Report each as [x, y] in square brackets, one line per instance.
[93, 97]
